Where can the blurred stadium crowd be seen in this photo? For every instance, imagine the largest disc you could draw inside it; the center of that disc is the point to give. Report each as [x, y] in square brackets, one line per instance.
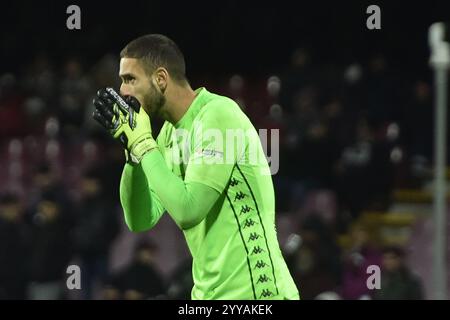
[350, 135]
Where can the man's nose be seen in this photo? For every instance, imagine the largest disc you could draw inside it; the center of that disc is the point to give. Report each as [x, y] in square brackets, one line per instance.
[125, 90]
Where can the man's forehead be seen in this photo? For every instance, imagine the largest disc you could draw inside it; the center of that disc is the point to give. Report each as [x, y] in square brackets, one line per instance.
[130, 65]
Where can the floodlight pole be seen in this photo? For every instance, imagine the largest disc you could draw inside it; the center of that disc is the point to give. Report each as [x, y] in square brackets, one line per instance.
[440, 62]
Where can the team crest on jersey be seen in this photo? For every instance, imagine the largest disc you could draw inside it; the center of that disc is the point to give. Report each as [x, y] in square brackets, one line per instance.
[210, 153]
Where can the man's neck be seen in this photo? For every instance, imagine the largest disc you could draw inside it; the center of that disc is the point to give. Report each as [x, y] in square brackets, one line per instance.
[178, 102]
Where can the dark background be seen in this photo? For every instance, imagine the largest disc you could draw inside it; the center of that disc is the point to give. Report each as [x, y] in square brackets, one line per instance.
[354, 110]
[229, 36]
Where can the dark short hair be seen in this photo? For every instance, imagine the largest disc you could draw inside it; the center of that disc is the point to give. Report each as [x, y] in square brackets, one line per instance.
[157, 50]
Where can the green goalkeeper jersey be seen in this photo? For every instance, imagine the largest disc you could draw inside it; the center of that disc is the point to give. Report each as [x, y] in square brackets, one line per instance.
[211, 175]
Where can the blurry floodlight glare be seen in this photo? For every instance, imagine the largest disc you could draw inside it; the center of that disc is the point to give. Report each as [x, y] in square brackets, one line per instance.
[396, 155]
[353, 73]
[393, 131]
[273, 85]
[293, 242]
[52, 127]
[276, 111]
[274, 79]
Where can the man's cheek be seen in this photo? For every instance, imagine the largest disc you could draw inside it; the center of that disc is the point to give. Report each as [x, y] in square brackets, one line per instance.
[140, 99]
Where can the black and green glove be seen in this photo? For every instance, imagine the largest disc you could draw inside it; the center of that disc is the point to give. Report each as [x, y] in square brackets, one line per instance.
[126, 121]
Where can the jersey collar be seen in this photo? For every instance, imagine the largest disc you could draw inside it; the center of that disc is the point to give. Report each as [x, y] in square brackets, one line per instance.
[193, 109]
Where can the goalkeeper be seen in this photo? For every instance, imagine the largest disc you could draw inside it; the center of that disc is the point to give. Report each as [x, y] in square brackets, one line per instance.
[223, 202]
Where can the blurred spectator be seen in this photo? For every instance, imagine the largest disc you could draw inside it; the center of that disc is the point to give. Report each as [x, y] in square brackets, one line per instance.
[317, 155]
[140, 280]
[299, 75]
[45, 180]
[298, 155]
[35, 112]
[181, 281]
[380, 95]
[419, 120]
[283, 181]
[337, 121]
[10, 107]
[73, 93]
[51, 248]
[315, 265]
[70, 115]
[105, 71]
[418, 131]
[40, 78]
[111, 170]
[364, 175]
[398, 282]
[96, 227]
[74, 81]
[14, 249]
[362, 253]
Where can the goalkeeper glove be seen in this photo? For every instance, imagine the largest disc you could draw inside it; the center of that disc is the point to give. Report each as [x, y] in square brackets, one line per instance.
[126, 121]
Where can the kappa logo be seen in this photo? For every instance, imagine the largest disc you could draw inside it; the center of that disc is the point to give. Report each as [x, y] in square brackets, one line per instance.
[263, 278]
[253, 236]
[257, 250]
[249, 223]
[266, 293]
[245, 209]
[260, 264]
[234, 182]
[239, 196]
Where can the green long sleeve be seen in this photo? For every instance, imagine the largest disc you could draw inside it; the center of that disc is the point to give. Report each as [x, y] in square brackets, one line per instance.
[188, 203]
[142, 207]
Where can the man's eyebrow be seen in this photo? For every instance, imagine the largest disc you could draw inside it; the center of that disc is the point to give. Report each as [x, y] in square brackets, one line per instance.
[126, 75]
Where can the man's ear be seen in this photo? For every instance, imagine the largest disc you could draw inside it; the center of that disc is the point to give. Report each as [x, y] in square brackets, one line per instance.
[161, 78]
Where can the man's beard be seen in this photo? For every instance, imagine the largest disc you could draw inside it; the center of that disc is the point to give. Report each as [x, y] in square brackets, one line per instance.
[154, 101]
